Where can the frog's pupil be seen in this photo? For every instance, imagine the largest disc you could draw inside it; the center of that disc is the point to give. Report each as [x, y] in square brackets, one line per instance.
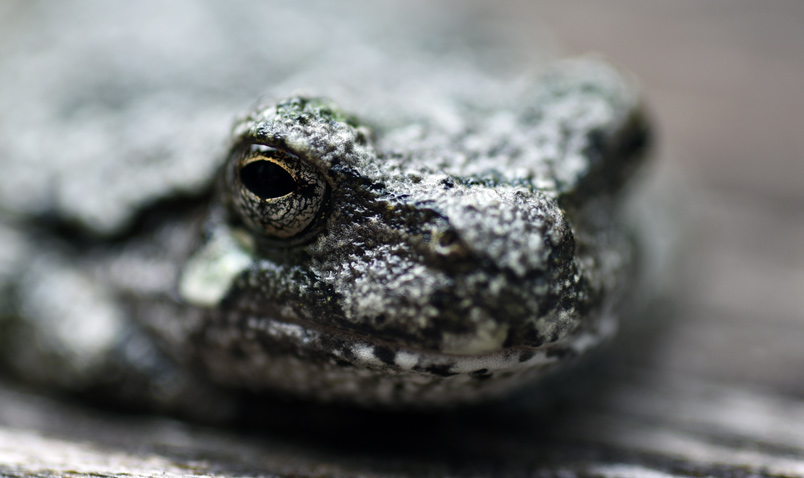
[267, 180]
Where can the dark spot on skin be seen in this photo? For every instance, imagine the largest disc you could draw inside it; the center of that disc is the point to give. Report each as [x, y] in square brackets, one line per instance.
[481, 374]
[347, 353]
[385, 354]
[379, 187]
[380, 319]
[525, 356]
[440, 370]
[530, 337]
[448, 183]
[565, 304]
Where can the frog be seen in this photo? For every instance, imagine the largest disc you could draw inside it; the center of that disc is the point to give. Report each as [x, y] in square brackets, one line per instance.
[388, 226]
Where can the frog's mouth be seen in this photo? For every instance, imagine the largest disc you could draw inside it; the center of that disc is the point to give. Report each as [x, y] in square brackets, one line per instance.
[337, 344]
[330, 364]
[283, 332]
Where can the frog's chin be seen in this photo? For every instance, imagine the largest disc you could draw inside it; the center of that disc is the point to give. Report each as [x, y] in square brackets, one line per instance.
[335, 365]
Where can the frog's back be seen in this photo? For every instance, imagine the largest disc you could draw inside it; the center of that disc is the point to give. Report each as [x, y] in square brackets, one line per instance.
[110, 108]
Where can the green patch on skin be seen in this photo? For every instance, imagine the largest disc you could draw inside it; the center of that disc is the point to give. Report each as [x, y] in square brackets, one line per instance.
[318, 108]
[209, 273]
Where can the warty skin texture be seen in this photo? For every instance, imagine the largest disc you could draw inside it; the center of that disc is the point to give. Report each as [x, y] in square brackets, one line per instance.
[419, 285]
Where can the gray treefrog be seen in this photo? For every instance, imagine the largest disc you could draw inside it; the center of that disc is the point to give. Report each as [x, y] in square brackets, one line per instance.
[418, 225]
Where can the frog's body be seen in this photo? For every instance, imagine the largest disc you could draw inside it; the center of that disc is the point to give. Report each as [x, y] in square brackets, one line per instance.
[459, 234]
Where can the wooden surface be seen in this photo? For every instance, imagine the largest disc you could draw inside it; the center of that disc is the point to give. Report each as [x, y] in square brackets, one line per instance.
[718, 392]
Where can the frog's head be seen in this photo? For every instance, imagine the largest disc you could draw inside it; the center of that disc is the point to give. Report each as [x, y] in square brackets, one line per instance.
[332, 259]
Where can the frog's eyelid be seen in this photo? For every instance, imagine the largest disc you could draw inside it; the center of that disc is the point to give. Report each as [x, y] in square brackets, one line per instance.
[263, 148]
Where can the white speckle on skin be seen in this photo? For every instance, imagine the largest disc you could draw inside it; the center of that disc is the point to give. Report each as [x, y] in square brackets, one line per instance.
[286, 330]
[406, 360]
[365, 353]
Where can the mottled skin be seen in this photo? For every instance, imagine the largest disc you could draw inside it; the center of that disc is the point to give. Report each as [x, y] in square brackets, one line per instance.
[465, 239]
[422, 282]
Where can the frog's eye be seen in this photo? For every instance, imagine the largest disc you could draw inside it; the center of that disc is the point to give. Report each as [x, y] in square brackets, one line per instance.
[274, 192]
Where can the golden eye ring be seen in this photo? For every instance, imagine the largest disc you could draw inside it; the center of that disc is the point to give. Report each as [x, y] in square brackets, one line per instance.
[276, 193]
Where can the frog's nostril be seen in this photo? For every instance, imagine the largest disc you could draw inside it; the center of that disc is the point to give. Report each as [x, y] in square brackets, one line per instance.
[448, 243]
[447, 238]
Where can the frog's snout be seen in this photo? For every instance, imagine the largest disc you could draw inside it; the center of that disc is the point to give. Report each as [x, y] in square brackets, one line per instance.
[515, 232]
[507, 260]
